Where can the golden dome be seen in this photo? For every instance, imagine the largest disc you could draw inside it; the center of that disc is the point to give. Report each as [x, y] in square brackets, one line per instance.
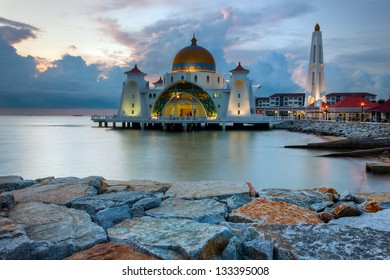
[193, 58]
[317, 27]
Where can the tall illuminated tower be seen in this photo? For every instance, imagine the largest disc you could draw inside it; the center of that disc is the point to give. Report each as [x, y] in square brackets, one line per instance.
[315, 85]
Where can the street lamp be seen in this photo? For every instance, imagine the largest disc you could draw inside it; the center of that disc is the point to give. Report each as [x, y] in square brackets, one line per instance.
[362, 105]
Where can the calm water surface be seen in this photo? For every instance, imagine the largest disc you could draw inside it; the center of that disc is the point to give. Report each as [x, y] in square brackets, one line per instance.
[35, 147]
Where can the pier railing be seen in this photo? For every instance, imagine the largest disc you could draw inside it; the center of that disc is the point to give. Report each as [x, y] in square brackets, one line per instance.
[189, 119]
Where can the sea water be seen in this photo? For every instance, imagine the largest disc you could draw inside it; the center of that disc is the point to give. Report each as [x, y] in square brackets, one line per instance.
[41, 146]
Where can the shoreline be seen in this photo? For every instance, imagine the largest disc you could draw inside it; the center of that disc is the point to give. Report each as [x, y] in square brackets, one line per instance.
[98, 218]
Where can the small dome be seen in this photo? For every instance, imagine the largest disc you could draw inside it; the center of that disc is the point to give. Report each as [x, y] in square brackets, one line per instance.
[193, 58]
[317, 27]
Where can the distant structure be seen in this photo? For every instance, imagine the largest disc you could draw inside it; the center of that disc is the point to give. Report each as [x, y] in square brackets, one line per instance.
[315, 85]
[192, 89]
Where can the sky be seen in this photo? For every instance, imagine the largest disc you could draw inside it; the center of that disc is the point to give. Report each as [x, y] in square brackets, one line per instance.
[72, 54]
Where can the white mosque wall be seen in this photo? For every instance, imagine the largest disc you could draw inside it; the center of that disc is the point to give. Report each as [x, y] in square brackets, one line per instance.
[130, 104]
[239, 103]
[206, 80]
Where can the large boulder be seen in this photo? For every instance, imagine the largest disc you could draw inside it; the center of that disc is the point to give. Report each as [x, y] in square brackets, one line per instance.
[274, 212]
[49, 231]
[172, 238]
[203, 210]
[94, 204]
[207, 189]
[10, 183]
[110, 251]
[55, 190]
[326, 242]
[378, 221]
[135, 185]
[302, 198]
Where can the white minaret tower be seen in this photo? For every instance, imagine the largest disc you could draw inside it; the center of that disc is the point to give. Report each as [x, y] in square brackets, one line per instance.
[315, 85]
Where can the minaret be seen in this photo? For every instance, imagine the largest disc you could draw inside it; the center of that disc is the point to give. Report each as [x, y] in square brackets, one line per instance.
[315, 85]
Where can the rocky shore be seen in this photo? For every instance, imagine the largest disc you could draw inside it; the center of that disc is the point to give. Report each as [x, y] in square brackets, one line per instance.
[345, 129]
[94, 218]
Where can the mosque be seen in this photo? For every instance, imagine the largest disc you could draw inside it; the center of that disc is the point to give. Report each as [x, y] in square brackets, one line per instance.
[192, 90]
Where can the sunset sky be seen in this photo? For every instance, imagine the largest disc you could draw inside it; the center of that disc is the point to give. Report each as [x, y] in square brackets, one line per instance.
[72, 54]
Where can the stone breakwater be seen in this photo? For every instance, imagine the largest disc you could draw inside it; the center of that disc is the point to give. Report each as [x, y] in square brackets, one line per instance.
[345, 129]
[95, 218]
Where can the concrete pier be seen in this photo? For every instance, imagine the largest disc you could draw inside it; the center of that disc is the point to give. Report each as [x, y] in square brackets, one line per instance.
[378, 167]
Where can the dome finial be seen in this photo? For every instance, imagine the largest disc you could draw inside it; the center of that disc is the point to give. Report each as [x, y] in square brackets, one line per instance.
[193, 40]
[317, 27]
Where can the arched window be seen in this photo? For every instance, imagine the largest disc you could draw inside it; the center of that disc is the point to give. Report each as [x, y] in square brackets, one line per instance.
[171, 79]
[182, 77]
[238, 95]
[219, 105]
[154, 95]
[150, 106]
[196, 79]
[150, 95]
[208, 79]
[239, 105]
[218, 80]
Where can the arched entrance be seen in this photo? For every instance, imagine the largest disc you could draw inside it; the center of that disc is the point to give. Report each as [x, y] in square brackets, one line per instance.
[184, 99]
[184, 105]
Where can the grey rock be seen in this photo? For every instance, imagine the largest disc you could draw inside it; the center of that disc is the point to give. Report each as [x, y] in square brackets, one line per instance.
[172, 238]
[326, 242]
[148, 203]
[100, 202]
[302, 198]
[111, 216]
[6, 200]
[207, 189]
[233, 250]
[319, 207]
[258, 250]
[236, 201]
[96, 182]
[244, 231]
[48, 231]
[137, 211]
[377, 221]
[203, 210]
[10, 183]
[347, 196]
[345, 209]
[55, 190]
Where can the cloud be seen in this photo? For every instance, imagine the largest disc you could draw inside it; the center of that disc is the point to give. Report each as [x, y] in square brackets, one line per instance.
[14, 32]
[68, 83]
